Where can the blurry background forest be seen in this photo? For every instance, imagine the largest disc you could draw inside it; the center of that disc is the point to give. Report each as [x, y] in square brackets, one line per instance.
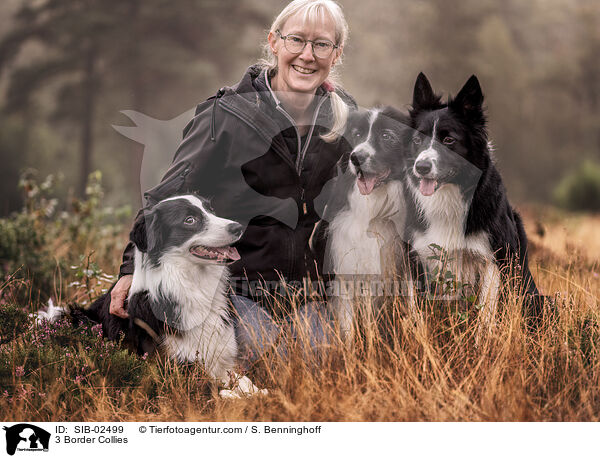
[68, 67]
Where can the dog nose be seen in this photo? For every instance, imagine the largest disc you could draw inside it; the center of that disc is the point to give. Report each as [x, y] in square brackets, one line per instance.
[423, 167]
[357, 159]
[235, 229]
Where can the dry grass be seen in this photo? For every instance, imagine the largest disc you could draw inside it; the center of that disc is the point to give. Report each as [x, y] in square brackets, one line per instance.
[428, 369]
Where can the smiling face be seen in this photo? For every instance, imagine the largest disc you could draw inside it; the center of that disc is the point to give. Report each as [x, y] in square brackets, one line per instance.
[439, 149]
[303, 72]
[184, 226]
[449, 142]
[377, 137]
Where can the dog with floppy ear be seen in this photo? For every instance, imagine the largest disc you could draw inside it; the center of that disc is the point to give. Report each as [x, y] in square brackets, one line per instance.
[177, 301]
[139, 232]
[366, 245]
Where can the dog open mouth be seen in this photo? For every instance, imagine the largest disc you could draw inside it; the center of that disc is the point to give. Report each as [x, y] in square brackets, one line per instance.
[427, 186]
[369, 181]
[222, 255]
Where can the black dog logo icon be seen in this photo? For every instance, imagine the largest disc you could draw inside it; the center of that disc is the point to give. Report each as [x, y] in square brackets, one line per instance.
[27, 437]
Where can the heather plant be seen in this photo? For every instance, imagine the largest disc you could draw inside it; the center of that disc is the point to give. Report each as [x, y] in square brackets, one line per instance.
[38, 243]
[14, 320]
[25, 239]
[65, 355]
[90, 280]
[91, 225]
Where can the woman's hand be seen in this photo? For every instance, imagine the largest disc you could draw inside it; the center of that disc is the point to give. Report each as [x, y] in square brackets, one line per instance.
[118, 295]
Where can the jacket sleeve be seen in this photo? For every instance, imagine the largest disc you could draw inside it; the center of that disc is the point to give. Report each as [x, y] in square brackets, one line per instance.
[197, 163]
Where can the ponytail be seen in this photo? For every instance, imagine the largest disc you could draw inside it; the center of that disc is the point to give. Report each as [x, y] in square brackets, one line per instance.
[340, 116]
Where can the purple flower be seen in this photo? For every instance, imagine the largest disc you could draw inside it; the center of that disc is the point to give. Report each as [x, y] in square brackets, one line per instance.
[20, 371]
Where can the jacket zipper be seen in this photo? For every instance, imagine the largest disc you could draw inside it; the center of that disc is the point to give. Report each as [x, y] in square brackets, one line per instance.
[301, 150]
[299, 160]
[299, 165]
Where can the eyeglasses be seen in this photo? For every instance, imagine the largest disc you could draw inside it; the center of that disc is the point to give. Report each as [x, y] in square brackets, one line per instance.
[296, 44]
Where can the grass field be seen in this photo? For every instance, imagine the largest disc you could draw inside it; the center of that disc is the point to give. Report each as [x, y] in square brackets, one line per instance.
[428, 369]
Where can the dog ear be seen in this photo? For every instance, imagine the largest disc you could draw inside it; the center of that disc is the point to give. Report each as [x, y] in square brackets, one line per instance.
[423, 95]
[138, 234]
[395, 114]
[144, 234]
[153, 233]
[469, 99]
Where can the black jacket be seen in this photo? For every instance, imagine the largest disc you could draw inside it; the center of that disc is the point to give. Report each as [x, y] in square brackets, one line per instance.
[241, 151]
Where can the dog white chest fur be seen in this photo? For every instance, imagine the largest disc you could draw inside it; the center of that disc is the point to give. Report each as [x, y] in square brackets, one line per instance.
[363, 244]
[199, 292]
[368, 225]
[469, 257]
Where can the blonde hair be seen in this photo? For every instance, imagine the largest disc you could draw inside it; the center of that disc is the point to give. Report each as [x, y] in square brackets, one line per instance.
[313, 11]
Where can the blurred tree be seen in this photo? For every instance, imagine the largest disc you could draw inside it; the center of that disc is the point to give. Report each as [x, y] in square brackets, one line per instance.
[588, 82]
[502, 68]
[11, 137]
[94, 44]
[448, 38]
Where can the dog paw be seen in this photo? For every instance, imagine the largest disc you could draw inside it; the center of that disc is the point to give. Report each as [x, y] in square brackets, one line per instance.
[241, 386]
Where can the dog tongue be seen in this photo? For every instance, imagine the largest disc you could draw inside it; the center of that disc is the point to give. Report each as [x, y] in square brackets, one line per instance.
[366, 184]
[427, 187]
[232, 253]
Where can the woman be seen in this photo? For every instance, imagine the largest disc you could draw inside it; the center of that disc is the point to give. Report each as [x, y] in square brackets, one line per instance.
[263, 149]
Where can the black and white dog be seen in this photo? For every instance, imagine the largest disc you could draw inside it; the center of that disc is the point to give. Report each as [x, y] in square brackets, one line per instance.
[367, 213]
[460, 199]
[177, 301]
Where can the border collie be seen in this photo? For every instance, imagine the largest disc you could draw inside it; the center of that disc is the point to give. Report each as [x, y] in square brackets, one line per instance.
[459, 195]
[368, 216]
[177, 302]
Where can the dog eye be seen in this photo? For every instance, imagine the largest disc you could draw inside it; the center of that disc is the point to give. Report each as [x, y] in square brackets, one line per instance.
[417, 140]
[189, 220]
[386, 136]
[356, 133]
[449, 140]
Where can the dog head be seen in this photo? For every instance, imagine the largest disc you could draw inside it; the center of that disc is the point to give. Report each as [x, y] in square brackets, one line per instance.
[447, 137]
[185, 226]
[378, 140]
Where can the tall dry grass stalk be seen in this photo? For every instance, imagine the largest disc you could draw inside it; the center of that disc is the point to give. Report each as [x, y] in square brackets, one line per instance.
[400, 366]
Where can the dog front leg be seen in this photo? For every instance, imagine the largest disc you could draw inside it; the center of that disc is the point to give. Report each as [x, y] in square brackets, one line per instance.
[342, 307]
[488, 297]
[222, 361]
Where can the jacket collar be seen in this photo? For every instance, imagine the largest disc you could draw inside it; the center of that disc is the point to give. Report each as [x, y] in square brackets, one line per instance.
[256, 107]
